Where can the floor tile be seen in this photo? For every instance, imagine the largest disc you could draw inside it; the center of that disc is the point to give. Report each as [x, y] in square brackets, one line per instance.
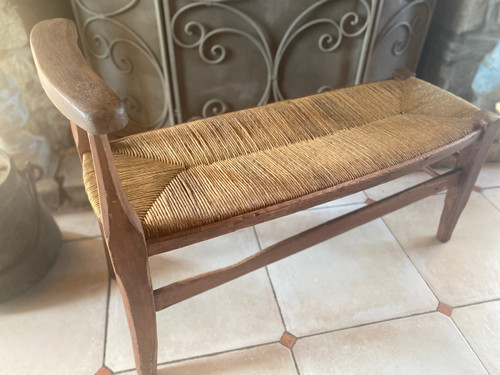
[480, 324]
[272, 359]
[78, 225]
[489, 175]
[395, 186]
[463, 270]
[429, 344]
[493, 195]
[350, 199]
[238, 314]
[358, 277]
[58, 326]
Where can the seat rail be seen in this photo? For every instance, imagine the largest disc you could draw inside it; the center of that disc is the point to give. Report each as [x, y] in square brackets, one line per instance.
[191, 236]
[184, 289]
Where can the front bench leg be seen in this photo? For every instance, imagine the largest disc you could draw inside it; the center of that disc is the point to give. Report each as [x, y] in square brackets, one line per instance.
[470, 160]
[128, 254]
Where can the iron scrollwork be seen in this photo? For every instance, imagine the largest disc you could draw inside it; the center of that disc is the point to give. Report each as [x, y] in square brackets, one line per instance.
[327, 42]
[103, 48]
[412, 29]
[212, 107]
[218, 52]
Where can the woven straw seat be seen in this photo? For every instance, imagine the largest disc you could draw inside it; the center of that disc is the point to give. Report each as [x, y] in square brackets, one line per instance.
[207, 170]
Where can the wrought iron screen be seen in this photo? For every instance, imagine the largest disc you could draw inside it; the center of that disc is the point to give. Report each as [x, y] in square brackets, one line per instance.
[175, 60]
[236, 54]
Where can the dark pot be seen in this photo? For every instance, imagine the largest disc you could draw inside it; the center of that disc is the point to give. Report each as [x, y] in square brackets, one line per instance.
[30, 240]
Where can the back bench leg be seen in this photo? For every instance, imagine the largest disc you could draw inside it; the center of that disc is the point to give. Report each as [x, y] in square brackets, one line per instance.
[470, 161]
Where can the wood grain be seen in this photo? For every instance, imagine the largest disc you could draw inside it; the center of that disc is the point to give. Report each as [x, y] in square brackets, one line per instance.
[73, 87]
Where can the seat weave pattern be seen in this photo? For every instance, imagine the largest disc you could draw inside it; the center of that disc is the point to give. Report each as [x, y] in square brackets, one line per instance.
[207, 170]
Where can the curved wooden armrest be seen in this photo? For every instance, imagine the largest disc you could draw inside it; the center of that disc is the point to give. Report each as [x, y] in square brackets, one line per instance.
[70, 83]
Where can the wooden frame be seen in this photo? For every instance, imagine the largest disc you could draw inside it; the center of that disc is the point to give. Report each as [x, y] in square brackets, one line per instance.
[94, 111]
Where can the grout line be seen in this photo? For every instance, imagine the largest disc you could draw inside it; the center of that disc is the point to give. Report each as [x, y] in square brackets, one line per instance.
[489, 187]
[276, 299]
[489, 201]
[106, 322]
[270, 281]
[294, 361]
[411, 261]
[476, 303]
[368, 324]
[214, 354]
[468, 344]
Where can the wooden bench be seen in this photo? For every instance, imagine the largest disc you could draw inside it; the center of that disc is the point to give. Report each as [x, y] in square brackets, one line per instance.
[164, 189]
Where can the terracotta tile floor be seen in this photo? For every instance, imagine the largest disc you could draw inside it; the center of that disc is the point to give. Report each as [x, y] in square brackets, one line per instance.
[385, 298]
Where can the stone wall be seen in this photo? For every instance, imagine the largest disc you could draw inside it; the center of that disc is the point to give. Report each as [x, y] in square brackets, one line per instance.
[462, 32]
[17, 18]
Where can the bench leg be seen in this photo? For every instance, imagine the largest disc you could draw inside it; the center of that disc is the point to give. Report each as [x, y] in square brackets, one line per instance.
[470, 160]
[134, 279]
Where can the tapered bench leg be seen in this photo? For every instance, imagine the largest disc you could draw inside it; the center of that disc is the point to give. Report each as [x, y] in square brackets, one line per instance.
[134, 279]
[470, 161]
[128, 254]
